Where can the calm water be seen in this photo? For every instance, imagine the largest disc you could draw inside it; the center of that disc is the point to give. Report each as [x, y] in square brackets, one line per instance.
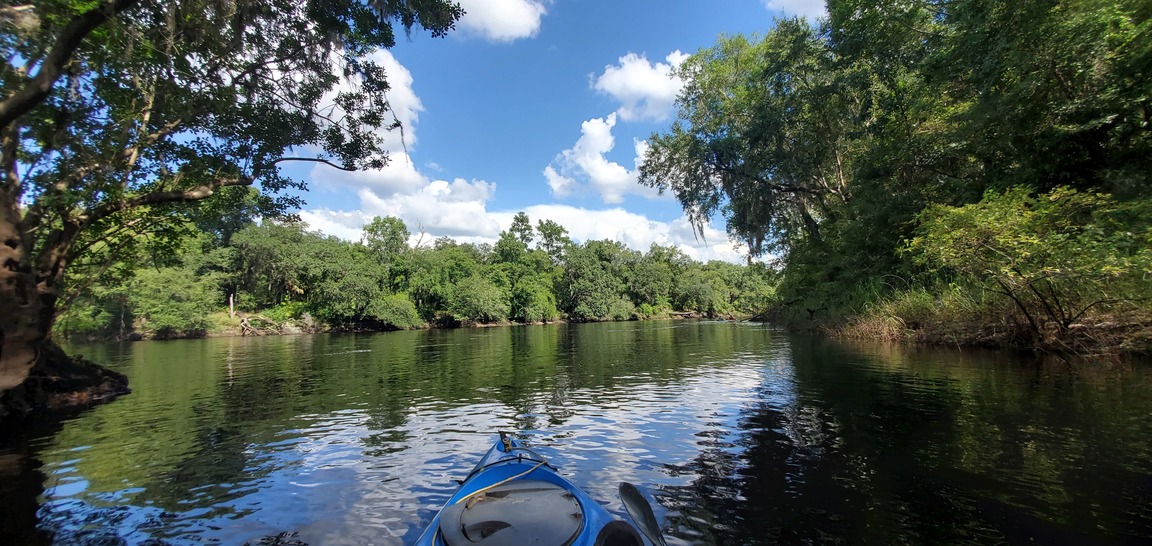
[741, 433]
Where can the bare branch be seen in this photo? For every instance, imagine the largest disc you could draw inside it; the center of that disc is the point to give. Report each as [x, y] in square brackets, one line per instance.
[313, 160]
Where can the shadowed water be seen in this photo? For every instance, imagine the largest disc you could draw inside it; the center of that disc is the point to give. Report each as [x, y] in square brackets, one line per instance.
[741, 434]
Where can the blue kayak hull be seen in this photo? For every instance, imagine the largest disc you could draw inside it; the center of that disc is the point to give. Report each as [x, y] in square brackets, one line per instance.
[513, 496]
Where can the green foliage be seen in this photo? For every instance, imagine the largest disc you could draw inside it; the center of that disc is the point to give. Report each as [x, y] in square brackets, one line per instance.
[533, 301]
[588, 288]
[396, 311]
[651, 283]
[1056, 255]
[509, 248]
[386, 237]
[761, 137]
[281, 272]
[824, 147]
[121, 116]
[285, 311]
[754, 289]
[172, 301]
[522, 228]
[477, 299]
[703, 291]
[429, 275]
[553, 239]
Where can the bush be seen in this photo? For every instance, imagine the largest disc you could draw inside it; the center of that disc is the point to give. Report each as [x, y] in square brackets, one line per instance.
[170, 301]
[1056, 257]
[289, 310]
[478, 299]
[395, 310]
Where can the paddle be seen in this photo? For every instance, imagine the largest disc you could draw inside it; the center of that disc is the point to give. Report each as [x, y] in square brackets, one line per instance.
[638, 507]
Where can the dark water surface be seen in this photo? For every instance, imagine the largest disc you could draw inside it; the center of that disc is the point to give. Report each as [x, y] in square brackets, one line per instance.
[742, 433]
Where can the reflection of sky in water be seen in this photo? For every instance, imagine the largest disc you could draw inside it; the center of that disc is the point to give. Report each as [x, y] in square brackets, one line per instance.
[358, 440]
[347, 477]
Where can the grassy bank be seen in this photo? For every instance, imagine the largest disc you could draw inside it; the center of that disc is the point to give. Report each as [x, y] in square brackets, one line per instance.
[959, 317]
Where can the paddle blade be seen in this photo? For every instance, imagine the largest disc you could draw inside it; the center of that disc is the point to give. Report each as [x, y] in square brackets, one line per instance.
[638, 507]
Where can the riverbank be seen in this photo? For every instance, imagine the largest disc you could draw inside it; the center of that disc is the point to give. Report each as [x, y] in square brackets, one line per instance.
[962, 319]
[58, 383]
[223, 325]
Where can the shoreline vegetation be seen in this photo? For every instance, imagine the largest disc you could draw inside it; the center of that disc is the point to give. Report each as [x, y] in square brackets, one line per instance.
[933, 172]
[928, 172]
[280, 277]
[306, 325]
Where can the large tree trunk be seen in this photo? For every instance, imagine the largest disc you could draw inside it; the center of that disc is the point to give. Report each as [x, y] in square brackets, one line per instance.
[35, 374]
[20, 331]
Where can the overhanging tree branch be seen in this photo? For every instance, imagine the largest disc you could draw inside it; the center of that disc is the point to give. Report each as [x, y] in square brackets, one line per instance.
[73, 34]
[310, 159]
[169, 196]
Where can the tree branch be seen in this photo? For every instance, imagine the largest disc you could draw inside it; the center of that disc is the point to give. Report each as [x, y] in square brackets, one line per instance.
[310, 159]
[168, 196]
[73, 34]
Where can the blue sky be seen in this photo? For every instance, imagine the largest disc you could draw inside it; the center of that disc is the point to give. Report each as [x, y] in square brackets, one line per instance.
[540, 106]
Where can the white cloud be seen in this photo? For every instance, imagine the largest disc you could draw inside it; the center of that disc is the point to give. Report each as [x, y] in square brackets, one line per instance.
[637, 231]
[586, 161]
[810, 9]
[502, 20]
[646, 90]
[441, 210]
[561, 185]
[458, 208]
[402, 100]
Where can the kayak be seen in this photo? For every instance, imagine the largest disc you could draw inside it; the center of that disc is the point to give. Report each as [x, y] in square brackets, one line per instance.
[515, 497]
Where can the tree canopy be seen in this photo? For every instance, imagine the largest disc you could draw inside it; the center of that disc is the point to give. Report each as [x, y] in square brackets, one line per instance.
[821, 145]
[116, 114]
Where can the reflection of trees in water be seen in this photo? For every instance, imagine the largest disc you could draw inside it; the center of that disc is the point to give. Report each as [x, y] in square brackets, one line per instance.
[886, 449]
[21, 482]
[781, 476]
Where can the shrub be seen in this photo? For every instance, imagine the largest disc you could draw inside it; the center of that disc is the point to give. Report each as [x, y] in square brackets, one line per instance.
[395, 310]
[1055, 256]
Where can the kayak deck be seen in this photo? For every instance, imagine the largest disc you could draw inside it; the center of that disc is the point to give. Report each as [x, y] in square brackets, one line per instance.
[514, 497]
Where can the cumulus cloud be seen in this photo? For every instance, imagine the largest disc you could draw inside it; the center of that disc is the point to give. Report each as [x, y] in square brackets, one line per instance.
[402, 99]
[459, 208]
[502, 20]
[438, 207]
[637, 231]
[444, 210]
[646, 90]
[810, 9]
[586, 164]
[561, 185]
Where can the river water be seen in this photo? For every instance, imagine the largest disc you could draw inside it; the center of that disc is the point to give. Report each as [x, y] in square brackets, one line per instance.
[740, 433]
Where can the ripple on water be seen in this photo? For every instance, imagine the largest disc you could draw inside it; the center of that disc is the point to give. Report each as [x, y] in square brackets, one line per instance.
[740, 434]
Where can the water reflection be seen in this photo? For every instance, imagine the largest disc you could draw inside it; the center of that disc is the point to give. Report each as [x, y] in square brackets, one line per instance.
[743, 435]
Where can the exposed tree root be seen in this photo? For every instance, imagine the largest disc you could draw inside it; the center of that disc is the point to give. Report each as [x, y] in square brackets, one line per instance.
[59, 382]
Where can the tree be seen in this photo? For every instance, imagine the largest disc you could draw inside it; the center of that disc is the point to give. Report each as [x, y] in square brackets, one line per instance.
[108, 131]
[476, 299]
[553, 239]
[522, 228]
[1057, 256]
[386, 237]
[509, 248]
[762, 138]
[703, 291]
[589, 291]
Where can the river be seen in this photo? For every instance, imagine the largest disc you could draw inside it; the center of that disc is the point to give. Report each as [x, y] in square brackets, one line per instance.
[740, 433]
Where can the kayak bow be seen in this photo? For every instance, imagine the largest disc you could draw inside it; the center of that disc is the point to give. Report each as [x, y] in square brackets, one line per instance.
[514, 497]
